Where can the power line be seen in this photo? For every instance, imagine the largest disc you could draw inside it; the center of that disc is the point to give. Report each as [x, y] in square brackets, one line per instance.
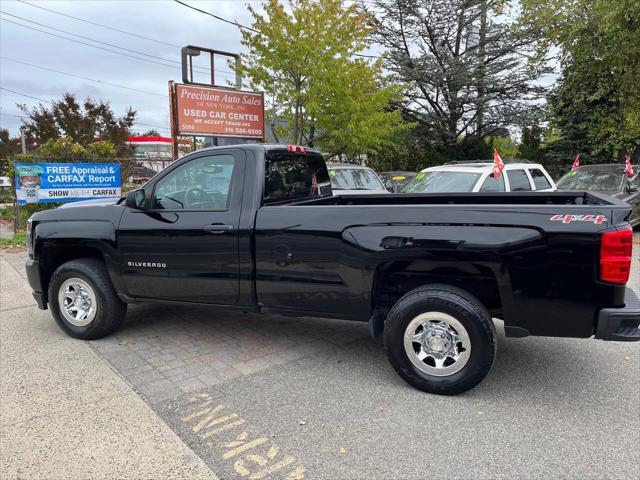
[231, 22]
[119, 30]
[87, 44]
[10, 115]
[25, 95]
[47, 101]
[102, 43]
[100, 25]
[82, 77]
[244, 27]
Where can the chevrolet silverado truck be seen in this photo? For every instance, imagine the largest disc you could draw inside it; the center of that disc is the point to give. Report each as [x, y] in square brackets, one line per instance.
[256, 228]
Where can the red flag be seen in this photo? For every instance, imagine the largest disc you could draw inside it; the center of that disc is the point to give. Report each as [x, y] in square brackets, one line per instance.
[628, 169]
[576, 163]
[498, 164]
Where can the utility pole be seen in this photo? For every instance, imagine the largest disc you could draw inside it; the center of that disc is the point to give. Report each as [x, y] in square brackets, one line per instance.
[23, 140]
[23, 144]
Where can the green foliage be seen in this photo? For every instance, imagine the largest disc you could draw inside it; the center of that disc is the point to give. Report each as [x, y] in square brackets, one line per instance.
[595, 108]
[62, 149]
[65, 148]
[530, 147]
[470, 70]
[303, 59]
[507, 147]
[18, 240]
[84, 123]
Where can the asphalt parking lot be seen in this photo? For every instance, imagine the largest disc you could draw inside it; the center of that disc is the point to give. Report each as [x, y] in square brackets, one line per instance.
[273, 397]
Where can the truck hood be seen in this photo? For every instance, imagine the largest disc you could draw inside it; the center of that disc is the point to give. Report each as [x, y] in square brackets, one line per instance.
[98, 202]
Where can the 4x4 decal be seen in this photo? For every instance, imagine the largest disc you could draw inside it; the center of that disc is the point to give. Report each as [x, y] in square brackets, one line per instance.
[597, 219]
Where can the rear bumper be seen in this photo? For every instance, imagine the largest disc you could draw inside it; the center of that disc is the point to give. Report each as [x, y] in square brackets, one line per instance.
[33, 276]
[621, 324]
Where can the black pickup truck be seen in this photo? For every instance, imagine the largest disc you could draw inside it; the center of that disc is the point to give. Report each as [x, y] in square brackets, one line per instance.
[256, 228]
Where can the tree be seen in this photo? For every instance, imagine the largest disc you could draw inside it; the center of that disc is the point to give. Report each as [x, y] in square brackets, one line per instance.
[9, 147]
[470, 70]
[303, 58]
[507, 147]
[84, 123]
[595, 108]
[152, 132]
[529, 148]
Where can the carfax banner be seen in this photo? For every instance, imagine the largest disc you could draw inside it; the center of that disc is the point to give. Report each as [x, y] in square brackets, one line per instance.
[66, 182]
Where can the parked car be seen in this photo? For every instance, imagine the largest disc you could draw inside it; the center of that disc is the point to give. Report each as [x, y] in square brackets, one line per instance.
[477, 176]
[428, 272]
[610, 179]
[350, 179]
[393, 181]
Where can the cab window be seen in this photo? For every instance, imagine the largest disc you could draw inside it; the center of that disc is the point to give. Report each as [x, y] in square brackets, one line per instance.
[539, 179]
[518, 180]
[293, 176]
[491, 184]
[201, 184]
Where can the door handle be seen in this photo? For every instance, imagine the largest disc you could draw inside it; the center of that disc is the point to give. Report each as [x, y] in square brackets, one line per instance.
[218, 228]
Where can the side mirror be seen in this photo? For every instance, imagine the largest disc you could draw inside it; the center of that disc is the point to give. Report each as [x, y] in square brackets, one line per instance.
[136, 199]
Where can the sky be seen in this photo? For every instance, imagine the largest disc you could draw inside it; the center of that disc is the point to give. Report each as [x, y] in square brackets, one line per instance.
[167, 25]
[164, 21]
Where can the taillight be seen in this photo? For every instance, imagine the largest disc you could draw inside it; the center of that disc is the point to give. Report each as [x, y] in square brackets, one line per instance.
[615, 256]
[297, 148]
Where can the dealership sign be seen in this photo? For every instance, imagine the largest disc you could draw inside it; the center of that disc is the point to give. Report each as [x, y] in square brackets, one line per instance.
[66, 182]
[218, 112]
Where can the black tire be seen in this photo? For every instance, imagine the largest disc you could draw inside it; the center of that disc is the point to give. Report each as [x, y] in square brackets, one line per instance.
[110, 310]
[466, 309]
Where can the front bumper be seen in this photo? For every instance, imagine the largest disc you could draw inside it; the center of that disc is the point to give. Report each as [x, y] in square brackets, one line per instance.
[621, 324]
[33, 276]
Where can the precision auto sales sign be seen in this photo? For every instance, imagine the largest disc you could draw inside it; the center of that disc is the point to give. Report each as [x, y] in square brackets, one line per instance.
[219, 112]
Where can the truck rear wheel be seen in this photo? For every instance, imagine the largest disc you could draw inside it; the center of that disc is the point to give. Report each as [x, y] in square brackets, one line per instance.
[83, 301]
[440, 339]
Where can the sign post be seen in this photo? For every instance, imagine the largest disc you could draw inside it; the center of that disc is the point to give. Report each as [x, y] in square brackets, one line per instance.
[213, 111]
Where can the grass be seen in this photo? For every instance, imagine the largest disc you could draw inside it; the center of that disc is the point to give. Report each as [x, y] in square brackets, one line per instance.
[18, 240]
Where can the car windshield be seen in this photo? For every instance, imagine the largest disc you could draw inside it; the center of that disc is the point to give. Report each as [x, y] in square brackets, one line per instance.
[441, 182]
[596, 180]
[354, 179]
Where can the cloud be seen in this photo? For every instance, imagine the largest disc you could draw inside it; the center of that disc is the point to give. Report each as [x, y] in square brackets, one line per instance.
[163, 20]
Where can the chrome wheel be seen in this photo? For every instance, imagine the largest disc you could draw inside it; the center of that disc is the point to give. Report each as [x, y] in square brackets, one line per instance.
[77, 302]
[437, 344]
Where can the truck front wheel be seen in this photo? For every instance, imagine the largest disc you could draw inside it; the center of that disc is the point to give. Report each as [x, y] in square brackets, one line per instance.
[440, 339]
[83, 301]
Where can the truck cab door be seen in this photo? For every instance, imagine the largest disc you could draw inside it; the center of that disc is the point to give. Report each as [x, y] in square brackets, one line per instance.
[184, 245]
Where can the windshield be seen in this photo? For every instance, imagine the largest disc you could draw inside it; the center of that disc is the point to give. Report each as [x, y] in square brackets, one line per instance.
[441, 182]
[597, 180]
[354, 179]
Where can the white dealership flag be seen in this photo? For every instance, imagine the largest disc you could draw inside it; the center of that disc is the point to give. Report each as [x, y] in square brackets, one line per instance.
[576, 163]
[628, 169]
[498, 164]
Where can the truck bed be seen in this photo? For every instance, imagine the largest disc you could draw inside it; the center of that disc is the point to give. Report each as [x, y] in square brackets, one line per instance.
[505, 198]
